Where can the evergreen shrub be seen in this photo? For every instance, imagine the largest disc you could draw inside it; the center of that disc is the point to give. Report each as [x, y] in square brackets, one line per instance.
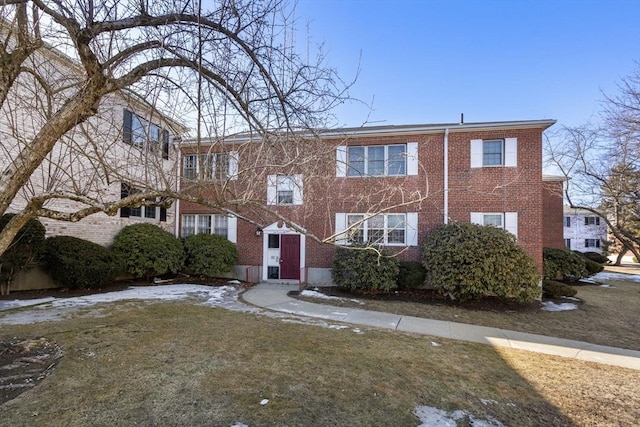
[595, 256]
[469, 262]
[411, 274]
[25, 248]
[79, 263]
[147, 250]
[209, 254]
[553, 289]
[359, 268]
[561, 264]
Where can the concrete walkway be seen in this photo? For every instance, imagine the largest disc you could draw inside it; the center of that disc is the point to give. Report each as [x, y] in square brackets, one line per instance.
[274, 297]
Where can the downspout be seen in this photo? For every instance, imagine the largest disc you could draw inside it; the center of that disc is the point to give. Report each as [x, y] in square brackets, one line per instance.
[446, 176]
[176, 219]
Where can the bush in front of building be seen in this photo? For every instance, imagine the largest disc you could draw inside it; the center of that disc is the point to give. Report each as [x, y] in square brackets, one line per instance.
[25, 248]
[209, 254]
[596, 257]
[470, 262]
[361, 268]
[147, 250]
[553, 289]
[411, 275]
[77, 263]
[563, 264]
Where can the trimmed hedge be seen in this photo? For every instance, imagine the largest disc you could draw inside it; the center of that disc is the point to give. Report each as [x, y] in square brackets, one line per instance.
[25, 248]
[561, 264]
[357, 268]
[78, 263]
[553, 289]
[147, 250]
[469, 262]
[411, 274]
[596, 257]
[209, 254]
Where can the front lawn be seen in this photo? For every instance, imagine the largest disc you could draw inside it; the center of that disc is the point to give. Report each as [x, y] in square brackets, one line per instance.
[180, 363]
[605, 315]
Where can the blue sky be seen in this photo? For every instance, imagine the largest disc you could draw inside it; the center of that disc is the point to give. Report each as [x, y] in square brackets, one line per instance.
[428, 61]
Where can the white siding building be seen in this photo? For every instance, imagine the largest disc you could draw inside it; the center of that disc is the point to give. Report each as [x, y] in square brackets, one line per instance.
[583, 231]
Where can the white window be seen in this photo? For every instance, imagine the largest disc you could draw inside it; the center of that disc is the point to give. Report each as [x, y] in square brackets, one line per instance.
[567, 221]
[221, 225]
[567, 243]
[504, 220]
[591, 220]
[284, 190]
[212, 166]
[377, 160]
[141, 133]
[399, 229]
[494, 152]
[591, 243]
[146, 212]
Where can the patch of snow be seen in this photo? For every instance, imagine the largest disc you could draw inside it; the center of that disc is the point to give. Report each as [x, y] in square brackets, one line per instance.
[315, 294]
[552, 306]
[234, 282]
[606, 275]
[8, 305]
[430, 417]
[572, 299]
[264, 402]
[604, 285]
[435, 344]
[489, 402]
[239, 425]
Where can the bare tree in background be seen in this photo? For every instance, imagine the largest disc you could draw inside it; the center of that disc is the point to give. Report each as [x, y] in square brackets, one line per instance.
[603, 164]
[66, 66]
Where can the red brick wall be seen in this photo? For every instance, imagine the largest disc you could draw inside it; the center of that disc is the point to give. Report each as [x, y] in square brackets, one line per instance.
[496, 189]
[552, 212]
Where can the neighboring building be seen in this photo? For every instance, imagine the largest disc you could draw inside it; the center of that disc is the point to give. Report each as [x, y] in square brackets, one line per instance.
[127, 145]
[583, 231]
[486, 173]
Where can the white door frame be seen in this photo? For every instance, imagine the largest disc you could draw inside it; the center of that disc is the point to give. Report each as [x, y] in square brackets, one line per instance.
[282, 229]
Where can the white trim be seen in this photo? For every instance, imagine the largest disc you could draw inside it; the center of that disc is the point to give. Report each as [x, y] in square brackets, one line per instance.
[510, 152]
[274, 229]
[232, 229]
[476, 153]
[341, 161]
[234, 159]
[411, 238]
[412, 158]
[341, 225]
[511, 222]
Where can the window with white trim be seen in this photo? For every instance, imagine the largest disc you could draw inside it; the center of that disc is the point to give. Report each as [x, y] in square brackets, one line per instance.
[377, 160]
[144, 134]
[394, 229]
[144, 212]
[505, 220]
[567, 243]
[284, 190]
[222, 225]
[567, 221]
[591, 220]
[494, 152]
[591, 243]
[211, 166]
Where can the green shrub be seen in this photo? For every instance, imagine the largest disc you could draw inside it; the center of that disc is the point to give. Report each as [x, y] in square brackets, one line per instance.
[560, 264]
[360, 268]
[553, 289]
[147, 250]
[469, 261]
[24, 249]
[209, 254]
[411, 274]
[596, 257]
[78, 263]
[593, 267]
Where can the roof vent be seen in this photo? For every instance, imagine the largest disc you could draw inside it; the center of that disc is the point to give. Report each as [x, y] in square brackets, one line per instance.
[461, 118]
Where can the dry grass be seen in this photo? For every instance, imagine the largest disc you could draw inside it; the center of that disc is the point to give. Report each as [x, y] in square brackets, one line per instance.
[607, 316]
[183, 364]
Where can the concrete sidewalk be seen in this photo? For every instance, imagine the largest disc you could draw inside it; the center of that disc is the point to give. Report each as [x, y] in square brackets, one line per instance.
[274, 297]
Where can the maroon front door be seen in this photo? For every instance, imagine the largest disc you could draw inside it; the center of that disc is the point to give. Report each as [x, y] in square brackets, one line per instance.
[290, 256]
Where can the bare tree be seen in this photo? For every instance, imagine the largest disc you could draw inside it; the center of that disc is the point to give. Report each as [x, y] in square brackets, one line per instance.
[66, 68]
[603, 164]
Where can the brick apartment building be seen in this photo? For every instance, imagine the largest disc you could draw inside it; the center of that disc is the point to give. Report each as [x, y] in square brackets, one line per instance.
[388, 185]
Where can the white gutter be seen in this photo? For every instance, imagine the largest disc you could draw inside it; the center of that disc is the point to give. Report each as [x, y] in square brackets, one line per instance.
[176, 205]
[446, 176]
